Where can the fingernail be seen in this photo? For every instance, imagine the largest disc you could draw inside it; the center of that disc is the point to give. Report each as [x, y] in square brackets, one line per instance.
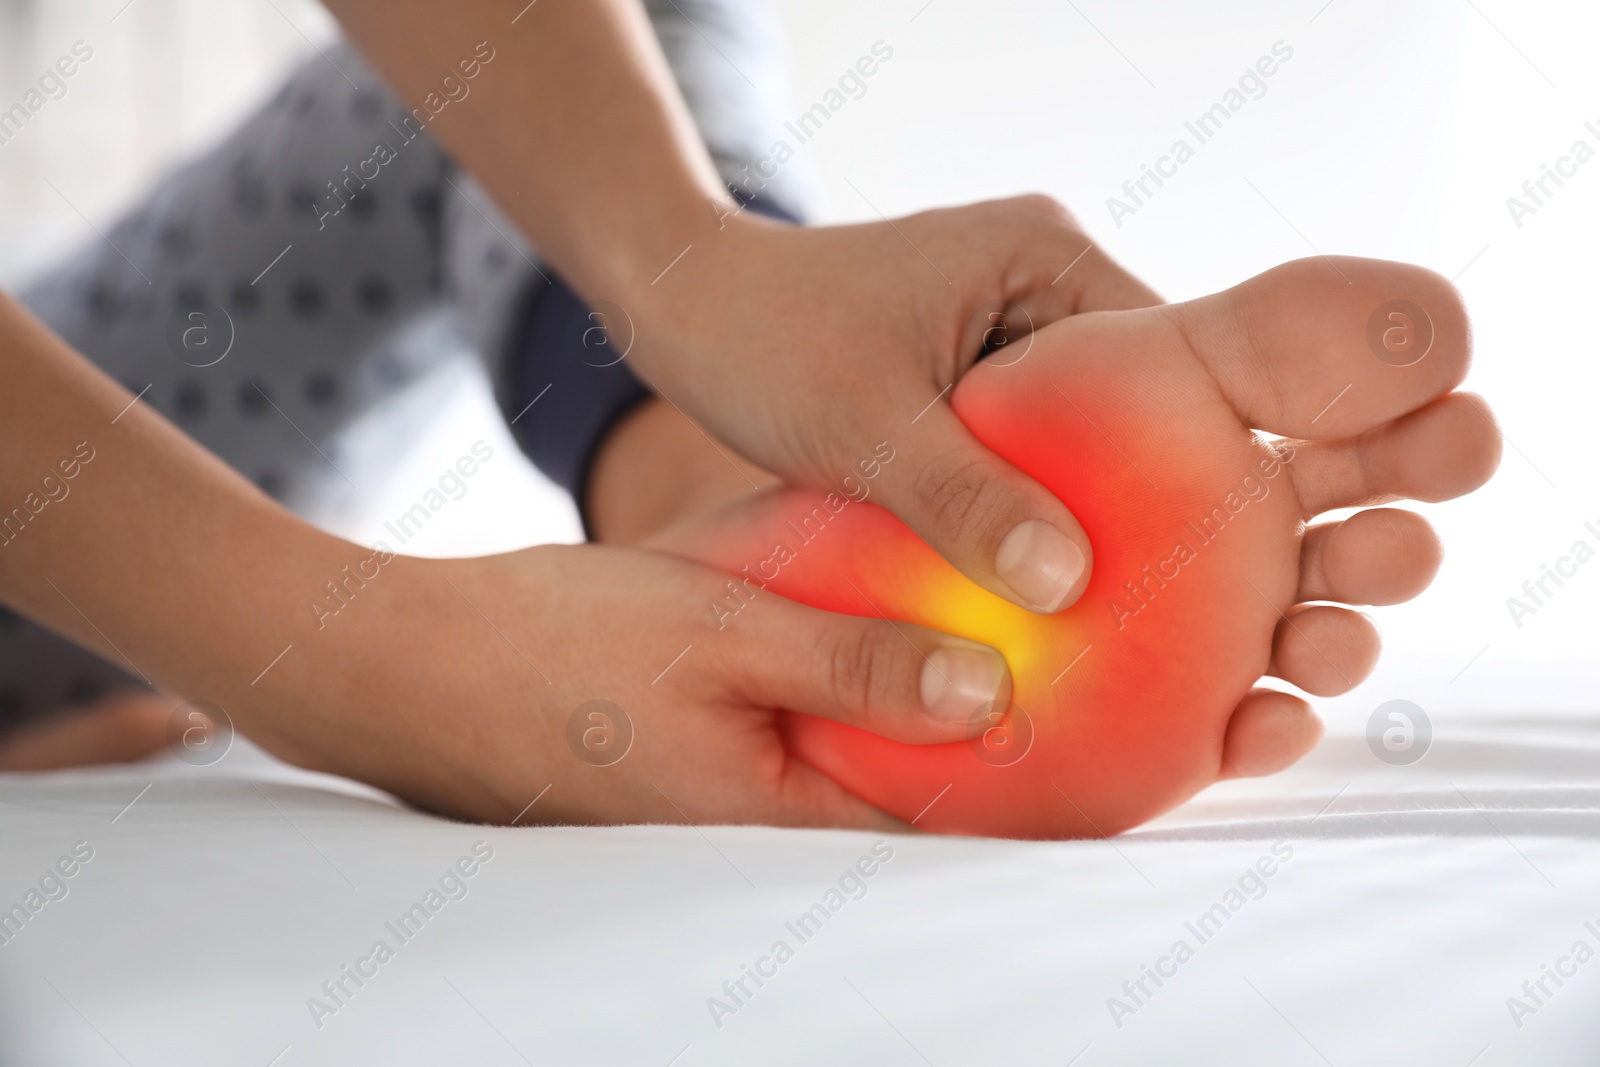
[1040, 564]
[959, 681]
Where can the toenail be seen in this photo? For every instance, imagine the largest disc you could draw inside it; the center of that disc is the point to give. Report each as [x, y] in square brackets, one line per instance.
[1040, 564]
[958, 680]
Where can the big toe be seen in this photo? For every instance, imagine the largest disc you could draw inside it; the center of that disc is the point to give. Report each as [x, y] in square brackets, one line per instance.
[1332, 346]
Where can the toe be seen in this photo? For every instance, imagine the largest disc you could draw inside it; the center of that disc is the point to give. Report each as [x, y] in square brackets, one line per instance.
[1332, 346]
[1324, 650]
[1268, 731]
[1444, 450]
[1379, 556]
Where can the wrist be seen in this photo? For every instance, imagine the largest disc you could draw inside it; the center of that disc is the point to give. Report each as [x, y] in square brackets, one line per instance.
[629, 254]
[293, 640]
[675, 297]
[444, 664]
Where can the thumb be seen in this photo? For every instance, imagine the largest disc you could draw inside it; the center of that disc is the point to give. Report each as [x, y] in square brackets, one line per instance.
[993, 523]
[905, 682]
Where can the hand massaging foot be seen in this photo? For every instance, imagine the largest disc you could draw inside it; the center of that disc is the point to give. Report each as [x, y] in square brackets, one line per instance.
[1144, 423]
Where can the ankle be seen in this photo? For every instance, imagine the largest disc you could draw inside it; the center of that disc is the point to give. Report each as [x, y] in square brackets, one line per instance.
[656, 467]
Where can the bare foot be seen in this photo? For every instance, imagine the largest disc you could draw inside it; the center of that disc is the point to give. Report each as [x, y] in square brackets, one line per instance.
[1205, 577]
[120, 727]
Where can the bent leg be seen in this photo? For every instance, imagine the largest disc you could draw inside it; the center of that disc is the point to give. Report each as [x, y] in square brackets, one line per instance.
[238, 302]
[234, 302]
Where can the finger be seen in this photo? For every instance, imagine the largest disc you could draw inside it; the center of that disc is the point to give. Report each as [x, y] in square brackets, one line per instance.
[1442, 451]
[123, 727]
[1324, 650]
[1267, 733]
[807, 797]
[1318, 348]
[1379, 556]
[1056, 270]
[905, 682]
[996, 525]
[786, 792]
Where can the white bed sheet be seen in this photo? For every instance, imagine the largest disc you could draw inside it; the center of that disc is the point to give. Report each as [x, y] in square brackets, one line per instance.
[1414, 903]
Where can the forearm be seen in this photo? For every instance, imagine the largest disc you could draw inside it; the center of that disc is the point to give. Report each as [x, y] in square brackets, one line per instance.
[120, 533]
[576, 127]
